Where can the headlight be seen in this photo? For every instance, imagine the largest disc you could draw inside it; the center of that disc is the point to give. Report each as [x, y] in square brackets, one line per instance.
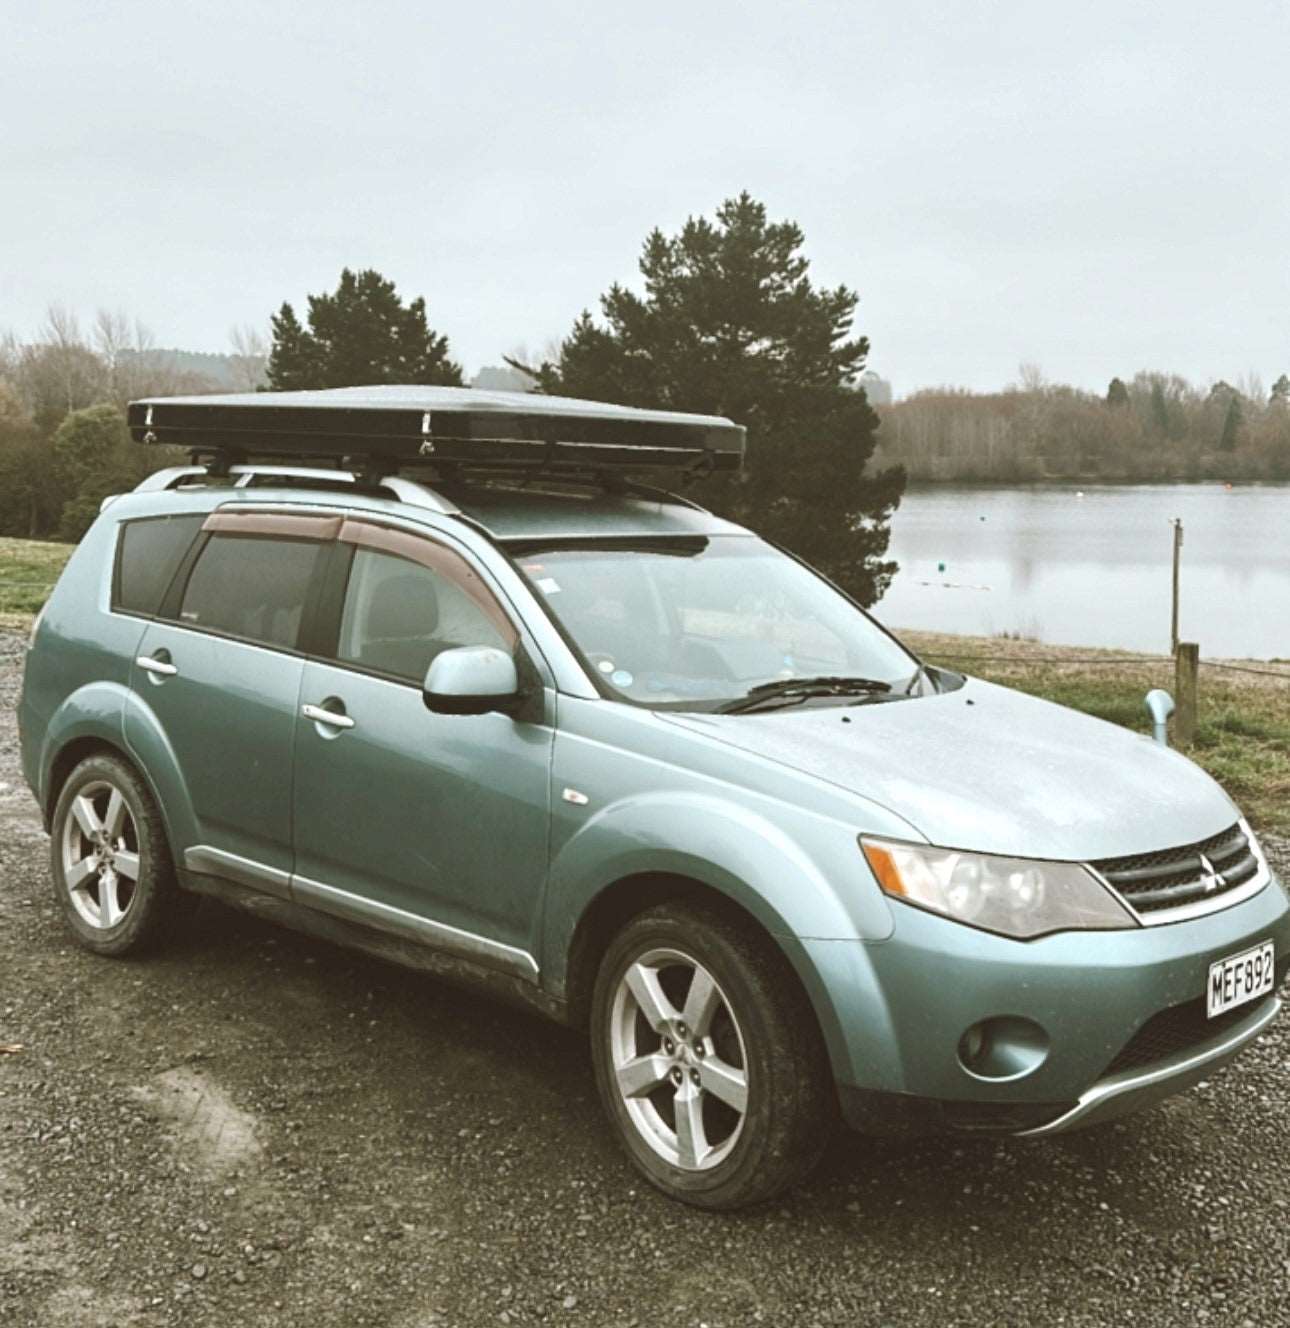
[1013, 896]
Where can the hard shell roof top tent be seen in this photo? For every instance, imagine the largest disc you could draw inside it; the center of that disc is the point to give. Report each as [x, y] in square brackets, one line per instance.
[382, 430]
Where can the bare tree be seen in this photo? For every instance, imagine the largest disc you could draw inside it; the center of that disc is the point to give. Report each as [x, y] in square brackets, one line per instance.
[1030, 378]
[250, 357]
[67, 360]
[525, 365]
[10, 357]
[133, 366]
[1250, 386]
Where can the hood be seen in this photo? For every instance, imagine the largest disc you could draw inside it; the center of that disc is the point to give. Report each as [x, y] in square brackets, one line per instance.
[992, 770]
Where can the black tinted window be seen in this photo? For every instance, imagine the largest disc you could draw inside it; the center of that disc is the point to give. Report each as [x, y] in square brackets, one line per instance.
[147, 555]
[249, 586]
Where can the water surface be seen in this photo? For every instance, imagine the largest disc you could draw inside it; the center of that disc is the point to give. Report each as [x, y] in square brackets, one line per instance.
[1092, 566]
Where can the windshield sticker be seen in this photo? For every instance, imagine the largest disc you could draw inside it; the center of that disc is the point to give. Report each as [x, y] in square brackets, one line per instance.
[621, 678]
[548, 585]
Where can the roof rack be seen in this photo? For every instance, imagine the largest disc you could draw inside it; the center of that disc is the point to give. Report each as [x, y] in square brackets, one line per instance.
[380, 430]
[400, 487]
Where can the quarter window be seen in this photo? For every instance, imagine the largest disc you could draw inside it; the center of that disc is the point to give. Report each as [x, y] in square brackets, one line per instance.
[399, 614]
[252, 587]
[147, 555]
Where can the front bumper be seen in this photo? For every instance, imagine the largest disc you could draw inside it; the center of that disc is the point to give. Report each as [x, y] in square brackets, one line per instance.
[902, 1005]
[1133, 1090]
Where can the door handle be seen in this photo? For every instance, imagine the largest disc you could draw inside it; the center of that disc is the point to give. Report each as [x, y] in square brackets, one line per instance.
[321, 715]
[162, 667]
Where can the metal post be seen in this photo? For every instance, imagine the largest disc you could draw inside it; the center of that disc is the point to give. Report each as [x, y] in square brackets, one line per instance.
[1160, 705]
[1178, 539]
[1186, 679]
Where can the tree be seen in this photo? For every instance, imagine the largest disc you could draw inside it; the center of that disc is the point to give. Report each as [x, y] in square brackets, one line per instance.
[361, 334]
[1280, 394]
[731, 324]
[1159, 408]
[1117, 394]
[1232, 422]
[93, 457]
[250, 358]
[29, 496]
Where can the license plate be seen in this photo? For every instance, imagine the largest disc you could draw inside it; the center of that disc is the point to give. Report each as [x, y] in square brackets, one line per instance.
[1243, 977]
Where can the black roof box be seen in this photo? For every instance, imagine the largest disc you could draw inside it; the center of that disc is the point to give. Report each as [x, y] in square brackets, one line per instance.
[453, 426]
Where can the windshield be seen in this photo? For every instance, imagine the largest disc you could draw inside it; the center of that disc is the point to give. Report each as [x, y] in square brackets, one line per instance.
[693, 623]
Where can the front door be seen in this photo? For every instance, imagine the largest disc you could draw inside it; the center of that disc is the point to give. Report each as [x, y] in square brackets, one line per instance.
[434, 826]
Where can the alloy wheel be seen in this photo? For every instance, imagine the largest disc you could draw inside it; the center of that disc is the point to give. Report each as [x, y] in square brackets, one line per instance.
[678, 1059]
[100, 855]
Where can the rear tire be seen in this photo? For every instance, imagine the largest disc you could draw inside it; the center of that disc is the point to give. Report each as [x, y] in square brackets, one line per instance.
[113, 876]
[708, 1057]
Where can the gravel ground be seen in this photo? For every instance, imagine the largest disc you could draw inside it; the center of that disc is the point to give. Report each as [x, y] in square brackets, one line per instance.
[259, 1128]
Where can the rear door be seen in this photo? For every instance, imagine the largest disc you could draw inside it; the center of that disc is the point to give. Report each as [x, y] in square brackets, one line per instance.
[433, 826]
[218, 674]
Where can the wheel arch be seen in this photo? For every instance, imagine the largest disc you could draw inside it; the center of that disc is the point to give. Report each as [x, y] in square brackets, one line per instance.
[67, 757]
[628, 896]
[77, 747]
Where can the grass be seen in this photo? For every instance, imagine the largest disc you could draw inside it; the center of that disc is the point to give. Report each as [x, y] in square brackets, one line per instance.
[1243, 736]
[28, 570]
[1243, 722]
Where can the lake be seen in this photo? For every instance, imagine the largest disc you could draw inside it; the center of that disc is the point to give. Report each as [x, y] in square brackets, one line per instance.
[1091, 565]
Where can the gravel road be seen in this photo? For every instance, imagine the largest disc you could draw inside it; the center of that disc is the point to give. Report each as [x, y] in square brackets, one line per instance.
[256, 1128]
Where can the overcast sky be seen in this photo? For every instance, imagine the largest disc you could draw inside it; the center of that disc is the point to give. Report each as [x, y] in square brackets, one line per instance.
[1096, 188]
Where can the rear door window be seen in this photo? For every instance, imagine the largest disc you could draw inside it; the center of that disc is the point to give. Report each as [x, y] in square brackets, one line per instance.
[251, 586]
[148, 552]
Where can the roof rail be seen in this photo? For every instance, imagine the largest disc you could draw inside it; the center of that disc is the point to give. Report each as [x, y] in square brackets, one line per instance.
[404, 490]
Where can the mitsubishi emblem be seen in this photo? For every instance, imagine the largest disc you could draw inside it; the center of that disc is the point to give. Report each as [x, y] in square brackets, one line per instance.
[1210, 880]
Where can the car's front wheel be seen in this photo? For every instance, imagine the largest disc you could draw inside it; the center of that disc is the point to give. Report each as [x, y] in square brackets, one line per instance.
[708, 1057]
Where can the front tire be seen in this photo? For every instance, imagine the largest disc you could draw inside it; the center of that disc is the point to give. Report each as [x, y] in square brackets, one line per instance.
[708, 1057]
[114, 880]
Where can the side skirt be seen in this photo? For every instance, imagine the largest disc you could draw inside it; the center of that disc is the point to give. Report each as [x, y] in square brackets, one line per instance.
[394, 949]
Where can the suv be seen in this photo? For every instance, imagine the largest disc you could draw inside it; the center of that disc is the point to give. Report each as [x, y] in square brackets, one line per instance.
[535, 726]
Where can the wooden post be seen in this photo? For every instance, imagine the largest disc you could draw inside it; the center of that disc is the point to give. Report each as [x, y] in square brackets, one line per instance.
[1186, 678]
[1178, 539]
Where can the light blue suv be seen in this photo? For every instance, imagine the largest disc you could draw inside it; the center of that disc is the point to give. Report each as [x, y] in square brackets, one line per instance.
[424, 671]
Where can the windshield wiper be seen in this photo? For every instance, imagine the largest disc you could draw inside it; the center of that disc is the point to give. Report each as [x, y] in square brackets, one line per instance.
[790, 690]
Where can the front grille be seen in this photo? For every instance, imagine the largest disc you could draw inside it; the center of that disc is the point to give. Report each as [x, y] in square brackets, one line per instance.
[1182, 1027]
[1175, 877]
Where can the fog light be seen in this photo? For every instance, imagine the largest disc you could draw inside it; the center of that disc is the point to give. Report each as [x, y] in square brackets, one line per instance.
[1005, 1047]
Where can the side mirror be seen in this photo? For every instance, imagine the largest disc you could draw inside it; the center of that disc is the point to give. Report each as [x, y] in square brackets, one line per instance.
[471, 680]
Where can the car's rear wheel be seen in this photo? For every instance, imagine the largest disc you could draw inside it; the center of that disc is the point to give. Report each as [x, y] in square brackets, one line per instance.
[112, 871]
[708, 1057]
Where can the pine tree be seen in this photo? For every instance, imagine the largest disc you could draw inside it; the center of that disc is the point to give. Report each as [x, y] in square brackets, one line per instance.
[1159, 408]
[1117, 394]
[1280, 394]
[360, 335]
[1232, 422]
[731, 324]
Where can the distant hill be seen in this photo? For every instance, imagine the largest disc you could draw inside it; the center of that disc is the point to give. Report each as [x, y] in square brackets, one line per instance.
[220, 371]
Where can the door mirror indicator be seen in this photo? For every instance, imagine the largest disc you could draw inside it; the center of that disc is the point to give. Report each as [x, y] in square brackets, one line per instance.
[471, 680]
